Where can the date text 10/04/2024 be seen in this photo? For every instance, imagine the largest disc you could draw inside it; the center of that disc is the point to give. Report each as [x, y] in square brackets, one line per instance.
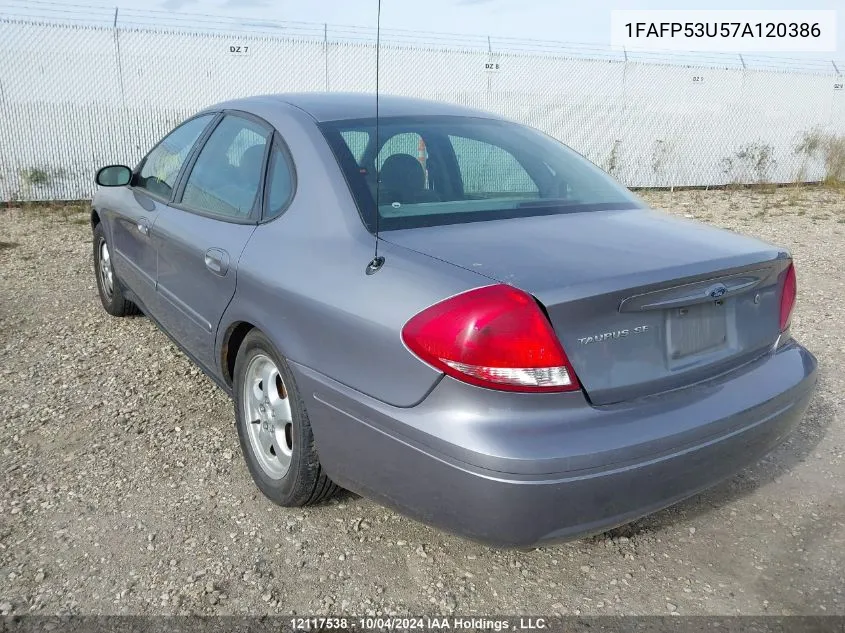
[418, 623]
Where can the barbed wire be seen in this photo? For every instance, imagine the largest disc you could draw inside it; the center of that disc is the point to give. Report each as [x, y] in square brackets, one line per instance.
[103, 16]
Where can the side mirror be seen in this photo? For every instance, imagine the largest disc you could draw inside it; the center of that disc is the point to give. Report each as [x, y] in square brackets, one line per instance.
[113, 176]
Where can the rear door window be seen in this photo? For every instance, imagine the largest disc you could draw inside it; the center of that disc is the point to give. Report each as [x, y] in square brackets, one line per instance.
[226, 177]
[488, 171]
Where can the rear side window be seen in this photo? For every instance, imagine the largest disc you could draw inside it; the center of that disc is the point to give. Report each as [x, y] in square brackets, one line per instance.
[356, 141]
[487, 170]
[279, 183]
[226, 178]
[162, 165]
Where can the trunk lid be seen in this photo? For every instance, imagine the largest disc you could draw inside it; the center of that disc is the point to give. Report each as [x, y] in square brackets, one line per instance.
[643, 302]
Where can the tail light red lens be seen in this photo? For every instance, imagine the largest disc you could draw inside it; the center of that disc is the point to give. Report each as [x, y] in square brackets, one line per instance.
[495, 337]
[787, 297]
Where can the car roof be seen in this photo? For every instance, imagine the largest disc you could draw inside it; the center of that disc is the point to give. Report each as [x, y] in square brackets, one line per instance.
[338, 106]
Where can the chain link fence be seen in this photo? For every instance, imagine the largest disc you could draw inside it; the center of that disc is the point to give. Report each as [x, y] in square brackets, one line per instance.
[75, 97]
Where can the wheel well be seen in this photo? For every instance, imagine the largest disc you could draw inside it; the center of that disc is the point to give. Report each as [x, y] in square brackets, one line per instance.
[235, 335]
[95, 218]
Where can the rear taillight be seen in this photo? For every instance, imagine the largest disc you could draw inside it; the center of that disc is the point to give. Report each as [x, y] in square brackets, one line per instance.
[495, 337]
[787, 297]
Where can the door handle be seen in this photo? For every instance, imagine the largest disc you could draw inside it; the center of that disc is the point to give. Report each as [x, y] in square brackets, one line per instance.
[143, 227]
[217, 261]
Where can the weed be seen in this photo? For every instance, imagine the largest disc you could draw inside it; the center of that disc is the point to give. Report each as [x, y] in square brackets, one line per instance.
[612, 164]
[827, 147]
[808, 145]
[752, 161]
[834, 160]
[659, 156]
[794, 196]
[37, 177]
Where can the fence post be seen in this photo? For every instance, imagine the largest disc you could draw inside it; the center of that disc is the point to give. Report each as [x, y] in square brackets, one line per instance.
[119, 66]
[732, 176]
[612, 165]
[326, 52]
[832, 118]
[489, 73]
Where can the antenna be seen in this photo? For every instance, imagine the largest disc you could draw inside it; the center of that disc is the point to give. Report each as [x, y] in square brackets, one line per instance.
[377, 262]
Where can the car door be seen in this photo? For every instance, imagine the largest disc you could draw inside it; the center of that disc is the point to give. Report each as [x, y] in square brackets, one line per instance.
[150, 189]
[200, 237]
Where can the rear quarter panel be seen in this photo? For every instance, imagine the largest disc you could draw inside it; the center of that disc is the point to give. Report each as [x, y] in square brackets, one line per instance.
[302, 281]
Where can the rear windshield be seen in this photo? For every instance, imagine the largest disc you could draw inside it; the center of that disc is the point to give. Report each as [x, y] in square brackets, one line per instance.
[433, 170]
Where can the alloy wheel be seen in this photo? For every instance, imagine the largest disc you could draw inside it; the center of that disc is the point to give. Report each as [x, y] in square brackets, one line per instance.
[267, 413]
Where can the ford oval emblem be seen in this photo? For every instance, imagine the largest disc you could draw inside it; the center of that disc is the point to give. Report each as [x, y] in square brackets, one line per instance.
[716, 291]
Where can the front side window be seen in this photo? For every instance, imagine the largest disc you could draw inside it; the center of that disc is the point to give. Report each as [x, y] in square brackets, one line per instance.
[226, 178]
[161, 167]
[435, 170]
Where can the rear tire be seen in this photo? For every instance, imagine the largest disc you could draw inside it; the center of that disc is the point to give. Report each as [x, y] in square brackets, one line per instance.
[273, 427]
[108, 285]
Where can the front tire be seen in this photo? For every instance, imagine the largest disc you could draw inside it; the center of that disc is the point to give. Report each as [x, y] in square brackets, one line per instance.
[273, 427]
[108, 285]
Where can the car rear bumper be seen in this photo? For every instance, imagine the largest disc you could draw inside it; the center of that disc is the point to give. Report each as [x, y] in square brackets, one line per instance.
[520, 469]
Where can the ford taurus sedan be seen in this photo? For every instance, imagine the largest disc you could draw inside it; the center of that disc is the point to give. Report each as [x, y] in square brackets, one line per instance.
[452, 314]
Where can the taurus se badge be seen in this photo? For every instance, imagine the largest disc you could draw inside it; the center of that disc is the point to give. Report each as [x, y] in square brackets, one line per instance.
[615, 334]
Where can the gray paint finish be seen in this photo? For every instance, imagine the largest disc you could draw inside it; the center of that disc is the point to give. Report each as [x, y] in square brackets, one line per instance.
[584, 266]
[302, 281]
[563, 257]
[508, 468]
[546, 472]
[135, 260]
[192, 298]
[335, 106]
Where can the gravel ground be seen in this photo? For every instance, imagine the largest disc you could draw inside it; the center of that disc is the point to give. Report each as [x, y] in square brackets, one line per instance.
[124, 491]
